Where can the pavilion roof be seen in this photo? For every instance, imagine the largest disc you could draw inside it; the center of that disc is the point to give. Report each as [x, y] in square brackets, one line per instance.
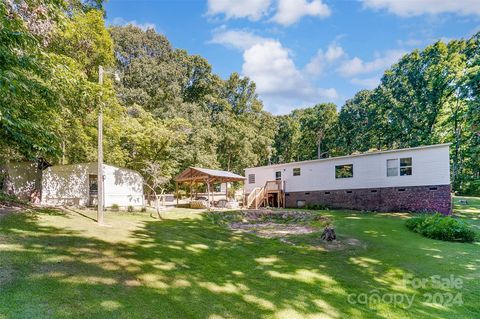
[196, 174]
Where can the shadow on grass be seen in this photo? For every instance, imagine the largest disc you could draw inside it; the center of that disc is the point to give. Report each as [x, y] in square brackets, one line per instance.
[186, 268]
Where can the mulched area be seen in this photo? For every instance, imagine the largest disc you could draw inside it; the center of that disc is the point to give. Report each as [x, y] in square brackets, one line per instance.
[272, 230]
[285, 225]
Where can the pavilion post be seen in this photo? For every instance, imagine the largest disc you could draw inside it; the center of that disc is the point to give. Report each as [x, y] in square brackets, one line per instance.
[191, 195]
[226, 191]
[244, 200]
[176, 191]
[208, 193]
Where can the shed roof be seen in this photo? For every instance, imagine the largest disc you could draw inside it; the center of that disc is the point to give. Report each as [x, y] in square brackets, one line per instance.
[196, 174]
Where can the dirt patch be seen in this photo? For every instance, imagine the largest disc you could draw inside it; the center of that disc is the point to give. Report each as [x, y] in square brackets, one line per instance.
[272, 230]
[266, 216]
[288, 226]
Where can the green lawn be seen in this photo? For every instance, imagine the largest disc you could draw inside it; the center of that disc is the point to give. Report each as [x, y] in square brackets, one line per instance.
[63, 265]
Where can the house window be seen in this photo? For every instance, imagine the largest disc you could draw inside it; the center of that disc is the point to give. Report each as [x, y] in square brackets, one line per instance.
[402, 166]
[405, 166]
[296, 171]
[344, 171]
[392, 167]
[251, 178]
[278, 176]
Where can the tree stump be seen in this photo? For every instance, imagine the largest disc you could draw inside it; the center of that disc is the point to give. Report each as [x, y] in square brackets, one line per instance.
[329, 234]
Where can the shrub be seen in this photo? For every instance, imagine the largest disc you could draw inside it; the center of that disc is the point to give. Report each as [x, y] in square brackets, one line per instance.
[130, 209]
[316, 206]
[437, 226]
[6, 199]
[115, 207]
[143, 210]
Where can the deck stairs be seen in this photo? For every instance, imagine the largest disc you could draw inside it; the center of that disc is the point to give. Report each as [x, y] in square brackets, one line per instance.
[272, 194]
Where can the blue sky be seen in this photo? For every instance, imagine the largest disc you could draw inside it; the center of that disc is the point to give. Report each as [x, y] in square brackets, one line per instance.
[302, 52]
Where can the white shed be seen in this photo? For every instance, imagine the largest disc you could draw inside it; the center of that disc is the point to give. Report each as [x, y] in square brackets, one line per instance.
[76, 184]
[21, 179]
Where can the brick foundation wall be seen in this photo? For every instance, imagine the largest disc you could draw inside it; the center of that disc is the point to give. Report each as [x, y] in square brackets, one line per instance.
[412, 198]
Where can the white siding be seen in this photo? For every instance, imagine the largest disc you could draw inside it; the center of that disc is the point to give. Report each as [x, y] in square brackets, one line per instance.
[430, 167]
[68, 185]
[24, 177]
[123, 187]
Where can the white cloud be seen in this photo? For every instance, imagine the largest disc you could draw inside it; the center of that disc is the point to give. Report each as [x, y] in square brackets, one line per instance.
[322, 59]
[251, 9]
[238, 39]
[357, 66]
[406, 8]
[144, 26]
[291, 11]
[280, 84]
[271, 67]
[287, 12]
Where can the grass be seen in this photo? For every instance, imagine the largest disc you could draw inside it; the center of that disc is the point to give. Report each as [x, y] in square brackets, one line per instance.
[63, 265]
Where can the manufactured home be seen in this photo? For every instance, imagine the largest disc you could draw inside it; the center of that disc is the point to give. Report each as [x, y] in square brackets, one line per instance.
[410, 179]
[77, 185]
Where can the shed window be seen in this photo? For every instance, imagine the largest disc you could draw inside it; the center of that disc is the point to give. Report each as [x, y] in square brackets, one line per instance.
[344, 171]
[251, 178]
[296, 171]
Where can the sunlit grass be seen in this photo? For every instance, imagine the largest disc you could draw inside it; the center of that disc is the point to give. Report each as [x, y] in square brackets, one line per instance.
[64, 265]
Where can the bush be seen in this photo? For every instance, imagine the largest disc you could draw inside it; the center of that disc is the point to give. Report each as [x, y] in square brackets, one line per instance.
[8, 200]
[441, 227]
[316, 206]
[130, 209]
[143, 210]
[115, 208]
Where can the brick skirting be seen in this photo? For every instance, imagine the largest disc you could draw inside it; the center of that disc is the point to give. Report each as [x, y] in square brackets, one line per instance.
[410, 198]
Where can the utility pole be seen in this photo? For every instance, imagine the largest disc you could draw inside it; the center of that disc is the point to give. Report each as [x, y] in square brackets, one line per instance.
[100, 200]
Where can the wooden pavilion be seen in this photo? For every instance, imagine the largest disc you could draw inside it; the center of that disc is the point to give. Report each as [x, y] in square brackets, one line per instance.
[193, 175]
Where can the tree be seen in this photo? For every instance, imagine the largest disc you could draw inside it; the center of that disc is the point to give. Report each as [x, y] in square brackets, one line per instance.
[26, 100]
[316, 127]
[361, 125]
[286, 139]
[155, 181]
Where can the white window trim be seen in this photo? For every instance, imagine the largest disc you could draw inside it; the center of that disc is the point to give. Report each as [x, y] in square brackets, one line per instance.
[293, 171]
[348, 164]
[398, 166]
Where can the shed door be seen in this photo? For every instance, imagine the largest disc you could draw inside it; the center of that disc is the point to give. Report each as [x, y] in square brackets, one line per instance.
[92, 190]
